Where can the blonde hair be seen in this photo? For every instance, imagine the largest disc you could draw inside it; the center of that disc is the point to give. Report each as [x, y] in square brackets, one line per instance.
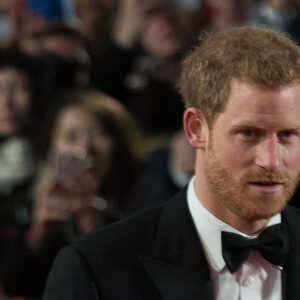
[251, 54]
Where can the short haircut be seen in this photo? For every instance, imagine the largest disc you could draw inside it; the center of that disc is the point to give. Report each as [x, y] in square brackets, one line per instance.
[252, 54]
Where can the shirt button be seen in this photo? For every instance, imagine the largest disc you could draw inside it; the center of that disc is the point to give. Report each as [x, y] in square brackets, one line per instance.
[249, 281]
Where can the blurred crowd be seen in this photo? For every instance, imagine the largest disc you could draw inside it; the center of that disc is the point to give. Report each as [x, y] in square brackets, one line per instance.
[90, 118]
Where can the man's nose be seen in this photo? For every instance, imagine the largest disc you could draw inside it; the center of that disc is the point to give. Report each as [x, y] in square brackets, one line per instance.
[267, 154]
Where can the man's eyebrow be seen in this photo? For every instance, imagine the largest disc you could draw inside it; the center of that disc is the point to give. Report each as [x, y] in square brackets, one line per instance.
[245, 123]
[251, 124]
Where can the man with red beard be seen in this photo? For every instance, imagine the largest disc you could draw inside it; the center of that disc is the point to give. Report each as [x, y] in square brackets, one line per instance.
[228, 235]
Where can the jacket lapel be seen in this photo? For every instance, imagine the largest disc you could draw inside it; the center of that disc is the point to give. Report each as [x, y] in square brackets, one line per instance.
[178, 266]
[291, 217]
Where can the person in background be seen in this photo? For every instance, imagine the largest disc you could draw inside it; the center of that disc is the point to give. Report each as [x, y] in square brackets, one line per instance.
[230, 234]
[224, 14]
[28, 16]
[95, 154]
[5, 21]
[140, 65]
[19, 116]
[272, 13]
[167, 171]
[281, 15]
[118, 135]
[293, 27]
[95, 21]
[64, 57]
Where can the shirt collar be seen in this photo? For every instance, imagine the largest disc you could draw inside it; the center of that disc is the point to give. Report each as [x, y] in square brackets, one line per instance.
[209, 228]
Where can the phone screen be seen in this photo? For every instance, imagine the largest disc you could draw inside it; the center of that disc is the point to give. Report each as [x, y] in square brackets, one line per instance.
[68, 167]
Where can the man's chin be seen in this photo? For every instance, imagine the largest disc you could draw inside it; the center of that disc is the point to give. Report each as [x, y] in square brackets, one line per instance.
[260, 208]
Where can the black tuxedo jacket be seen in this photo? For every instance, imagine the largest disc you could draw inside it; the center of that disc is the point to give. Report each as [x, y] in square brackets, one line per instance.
[153, 255]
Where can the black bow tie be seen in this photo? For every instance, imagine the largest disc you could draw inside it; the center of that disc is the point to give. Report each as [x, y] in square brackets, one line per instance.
[272, 243]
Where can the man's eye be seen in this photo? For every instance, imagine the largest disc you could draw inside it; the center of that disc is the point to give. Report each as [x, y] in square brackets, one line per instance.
[248, 132]
[287, 134]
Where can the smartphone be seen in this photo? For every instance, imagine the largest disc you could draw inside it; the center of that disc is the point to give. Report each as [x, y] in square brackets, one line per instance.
[68, 167]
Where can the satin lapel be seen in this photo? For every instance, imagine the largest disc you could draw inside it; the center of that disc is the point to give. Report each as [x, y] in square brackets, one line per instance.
[178, 266]
[291, 217]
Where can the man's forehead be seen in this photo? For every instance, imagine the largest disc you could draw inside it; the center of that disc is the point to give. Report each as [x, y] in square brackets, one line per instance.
[235, 83]
[254, 102]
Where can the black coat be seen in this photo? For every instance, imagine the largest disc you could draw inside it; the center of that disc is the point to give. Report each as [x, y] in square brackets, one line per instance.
[153, 255]
[155, 184]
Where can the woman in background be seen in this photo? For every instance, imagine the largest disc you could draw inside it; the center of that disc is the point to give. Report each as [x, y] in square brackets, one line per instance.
[18, 126]
[95, 155]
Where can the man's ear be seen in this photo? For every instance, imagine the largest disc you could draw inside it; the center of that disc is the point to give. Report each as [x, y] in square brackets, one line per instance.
[195, 127]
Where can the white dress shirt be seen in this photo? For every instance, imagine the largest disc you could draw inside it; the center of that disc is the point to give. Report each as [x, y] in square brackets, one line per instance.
[256, 279]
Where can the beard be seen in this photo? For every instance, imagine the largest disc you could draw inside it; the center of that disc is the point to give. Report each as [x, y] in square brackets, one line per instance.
[235, 193]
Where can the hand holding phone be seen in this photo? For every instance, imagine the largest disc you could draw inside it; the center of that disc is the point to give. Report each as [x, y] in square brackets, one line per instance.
[75, 179]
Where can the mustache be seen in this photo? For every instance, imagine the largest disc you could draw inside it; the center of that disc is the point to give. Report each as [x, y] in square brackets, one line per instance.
[265, 175]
